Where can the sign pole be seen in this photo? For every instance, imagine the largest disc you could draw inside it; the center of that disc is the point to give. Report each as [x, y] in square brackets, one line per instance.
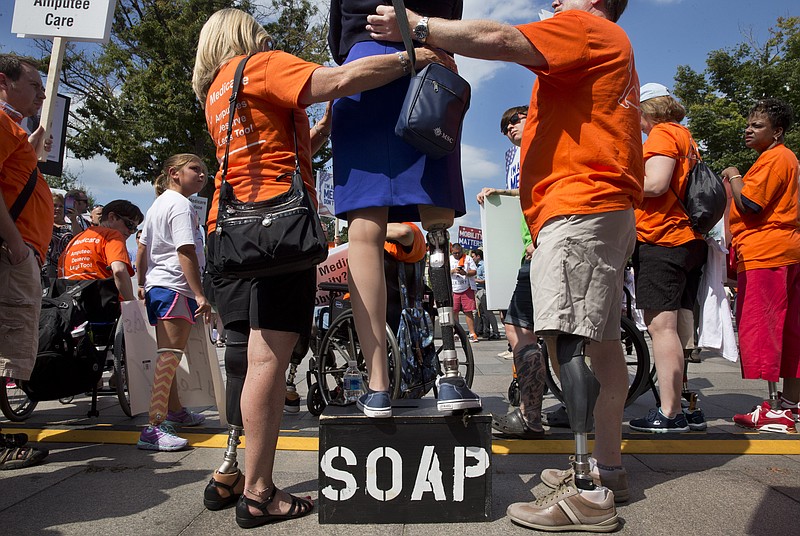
[56, 60]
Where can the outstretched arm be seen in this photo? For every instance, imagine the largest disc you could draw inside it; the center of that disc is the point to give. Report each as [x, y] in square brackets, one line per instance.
[482, 39]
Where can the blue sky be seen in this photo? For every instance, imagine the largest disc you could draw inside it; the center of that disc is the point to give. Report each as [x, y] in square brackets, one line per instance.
[664, 33]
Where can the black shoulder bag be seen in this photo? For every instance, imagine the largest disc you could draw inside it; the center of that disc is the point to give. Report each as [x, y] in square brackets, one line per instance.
[436, 102]
[266, 238]
[705, 199]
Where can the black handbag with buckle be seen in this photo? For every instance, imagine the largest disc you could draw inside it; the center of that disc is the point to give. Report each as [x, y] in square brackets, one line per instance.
[266, 238]
[435, 105]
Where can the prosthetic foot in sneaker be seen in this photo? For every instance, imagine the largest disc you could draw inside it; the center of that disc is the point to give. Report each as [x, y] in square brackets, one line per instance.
[454, 395]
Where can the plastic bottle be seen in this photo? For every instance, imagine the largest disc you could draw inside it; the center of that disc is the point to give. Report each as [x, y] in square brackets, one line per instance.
[353, 382]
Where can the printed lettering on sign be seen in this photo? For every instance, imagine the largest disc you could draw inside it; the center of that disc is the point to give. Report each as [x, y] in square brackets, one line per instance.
[469, 462]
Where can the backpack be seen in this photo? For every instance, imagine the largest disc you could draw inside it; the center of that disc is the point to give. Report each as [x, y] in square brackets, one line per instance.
[705, 198]
[415, 339]
[67, 362]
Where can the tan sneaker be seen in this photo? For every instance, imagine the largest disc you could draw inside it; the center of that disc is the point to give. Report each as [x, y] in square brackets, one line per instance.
[567, 508]
[616, 481]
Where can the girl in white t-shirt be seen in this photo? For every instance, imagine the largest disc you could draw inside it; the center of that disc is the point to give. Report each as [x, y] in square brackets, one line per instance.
[168, 262]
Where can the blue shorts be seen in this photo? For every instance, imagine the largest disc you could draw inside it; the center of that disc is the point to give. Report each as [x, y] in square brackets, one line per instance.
[165, 304]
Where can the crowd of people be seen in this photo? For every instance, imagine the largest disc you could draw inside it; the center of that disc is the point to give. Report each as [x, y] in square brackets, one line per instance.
[592, 195]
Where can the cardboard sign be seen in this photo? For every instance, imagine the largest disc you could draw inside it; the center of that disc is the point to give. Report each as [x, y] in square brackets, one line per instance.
[199, 378]
[200, 205]
[333, 269]
[325, 193]
[501, 217]
[76, 20]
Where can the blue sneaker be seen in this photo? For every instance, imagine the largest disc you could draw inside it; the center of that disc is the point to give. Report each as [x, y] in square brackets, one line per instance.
[375, 404]
[658, 423]
[455, 395]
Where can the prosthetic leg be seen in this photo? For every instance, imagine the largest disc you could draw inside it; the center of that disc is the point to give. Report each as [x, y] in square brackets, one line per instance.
[774, 401]
[292, 402]
[227, 483]
[581, 390]
[453, 392]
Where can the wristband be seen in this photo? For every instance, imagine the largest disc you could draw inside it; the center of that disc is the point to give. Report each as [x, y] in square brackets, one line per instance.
[404, 63]
[734, 177]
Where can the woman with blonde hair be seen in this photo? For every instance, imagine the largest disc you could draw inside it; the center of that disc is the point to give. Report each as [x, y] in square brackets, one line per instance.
[168, 261]
[669, 255]
[264, 316]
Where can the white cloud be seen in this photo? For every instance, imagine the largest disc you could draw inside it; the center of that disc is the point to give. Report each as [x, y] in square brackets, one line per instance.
[100, 178]
[479, 167]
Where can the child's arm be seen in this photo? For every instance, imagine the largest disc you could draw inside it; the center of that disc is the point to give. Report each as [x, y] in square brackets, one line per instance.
[191, 269]
[141, 268]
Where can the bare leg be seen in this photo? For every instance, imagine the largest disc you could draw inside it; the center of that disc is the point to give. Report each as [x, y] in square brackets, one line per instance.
[367, 233]
[608, 364]
[669, 360]
[530, 373]
[470, 316]
[262, 408]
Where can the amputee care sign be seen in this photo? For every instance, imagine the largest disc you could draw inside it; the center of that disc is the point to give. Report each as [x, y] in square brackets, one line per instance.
[75, 20]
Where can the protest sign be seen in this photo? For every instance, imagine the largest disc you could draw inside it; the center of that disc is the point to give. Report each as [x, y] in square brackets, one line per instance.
[334, 269]
[470, 237]
[198, 378]
[501, 219]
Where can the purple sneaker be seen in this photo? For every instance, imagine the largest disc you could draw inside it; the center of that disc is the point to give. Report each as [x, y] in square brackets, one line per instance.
[184, 417]
[162, 438]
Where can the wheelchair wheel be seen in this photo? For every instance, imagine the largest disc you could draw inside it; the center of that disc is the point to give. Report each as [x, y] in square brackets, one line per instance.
[14, 402]
[339, 345]
[466, 361]
[121, 370]
[637, 358]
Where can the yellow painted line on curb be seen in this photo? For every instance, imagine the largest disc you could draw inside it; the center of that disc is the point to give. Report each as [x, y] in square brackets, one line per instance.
[499, 447]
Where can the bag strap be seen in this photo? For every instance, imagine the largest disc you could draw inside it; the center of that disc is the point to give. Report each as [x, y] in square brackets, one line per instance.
[23, 198]
[693, 147]
[402, 22]
[24, 195]
[237, 82]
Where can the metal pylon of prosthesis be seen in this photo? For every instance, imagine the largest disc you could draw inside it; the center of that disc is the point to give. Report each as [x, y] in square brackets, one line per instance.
[439, 242]
[229, 461]
[774, 403]
[580, 389]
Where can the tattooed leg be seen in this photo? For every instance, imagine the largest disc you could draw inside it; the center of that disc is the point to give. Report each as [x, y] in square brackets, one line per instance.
[529, 362]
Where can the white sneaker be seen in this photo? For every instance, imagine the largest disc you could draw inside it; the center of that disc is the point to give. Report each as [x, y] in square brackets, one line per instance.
[506, 355]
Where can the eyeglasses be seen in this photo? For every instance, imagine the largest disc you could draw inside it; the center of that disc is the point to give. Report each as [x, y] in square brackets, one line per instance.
[514, 120]
[82, 199]
[129, 223]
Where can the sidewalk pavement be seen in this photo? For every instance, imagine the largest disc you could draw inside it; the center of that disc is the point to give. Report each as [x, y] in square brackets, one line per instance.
[720, 482]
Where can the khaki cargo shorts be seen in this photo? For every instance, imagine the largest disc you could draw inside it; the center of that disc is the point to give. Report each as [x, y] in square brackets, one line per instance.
[577, 272]
[20, 304]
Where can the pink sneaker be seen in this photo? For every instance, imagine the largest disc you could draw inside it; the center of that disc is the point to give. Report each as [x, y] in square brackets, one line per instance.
[765, 419]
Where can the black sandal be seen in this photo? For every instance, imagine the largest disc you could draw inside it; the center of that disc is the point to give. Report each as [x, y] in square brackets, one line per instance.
[19, 457]
[213, 499]
[246, 520]
[13, 441]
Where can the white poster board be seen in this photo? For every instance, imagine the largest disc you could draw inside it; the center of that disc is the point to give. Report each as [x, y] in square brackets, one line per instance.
[76, 20]
[199, 378]
[200, 205]
[334, 269]
[501, 218]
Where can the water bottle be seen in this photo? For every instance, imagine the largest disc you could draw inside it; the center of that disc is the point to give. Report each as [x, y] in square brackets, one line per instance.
[353, 382]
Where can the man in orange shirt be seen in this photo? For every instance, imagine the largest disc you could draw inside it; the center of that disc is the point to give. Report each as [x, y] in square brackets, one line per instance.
[99, 252]
[25, 230]
[581, 176]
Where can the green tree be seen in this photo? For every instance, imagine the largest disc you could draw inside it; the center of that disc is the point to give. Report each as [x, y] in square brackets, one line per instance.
[717, 100]
[136, 101]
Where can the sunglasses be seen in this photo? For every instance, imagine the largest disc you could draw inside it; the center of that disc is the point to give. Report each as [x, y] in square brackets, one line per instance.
[514, 120]
[129, 223]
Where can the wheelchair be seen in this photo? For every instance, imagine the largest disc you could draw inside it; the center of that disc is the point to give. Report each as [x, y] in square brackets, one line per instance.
[334, 342]
[106, 332]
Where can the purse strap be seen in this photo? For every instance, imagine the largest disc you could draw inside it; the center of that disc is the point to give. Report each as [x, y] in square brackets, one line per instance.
[402, 22]
[698, 159]
[237, 82]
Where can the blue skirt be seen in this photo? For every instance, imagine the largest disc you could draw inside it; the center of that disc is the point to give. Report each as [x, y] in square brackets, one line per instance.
[372, 167]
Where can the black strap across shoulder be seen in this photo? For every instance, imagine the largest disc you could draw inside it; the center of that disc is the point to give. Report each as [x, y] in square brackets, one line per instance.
[24, 195]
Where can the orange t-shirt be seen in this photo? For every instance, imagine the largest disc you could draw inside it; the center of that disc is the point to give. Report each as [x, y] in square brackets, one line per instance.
[262, 143]
[417, 251]
[581, 147]
[17, 160]
[662, 220]
[771, 237]
[89, 254]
